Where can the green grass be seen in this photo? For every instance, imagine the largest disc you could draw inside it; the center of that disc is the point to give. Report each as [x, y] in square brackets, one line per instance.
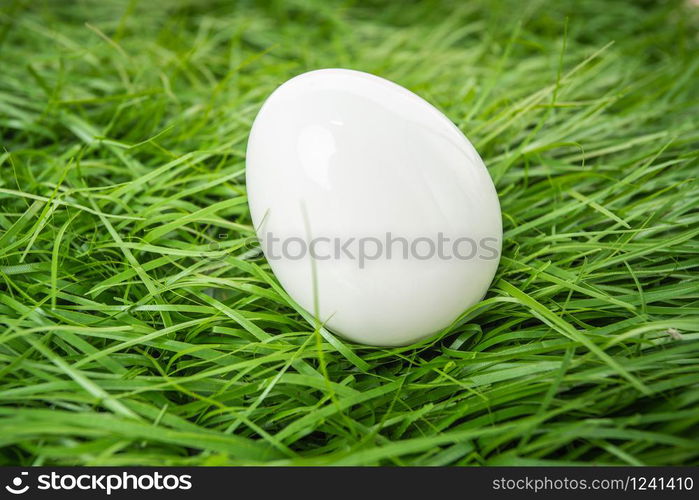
[138, 329]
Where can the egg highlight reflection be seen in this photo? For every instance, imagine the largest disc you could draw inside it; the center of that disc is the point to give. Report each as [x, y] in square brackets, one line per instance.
[372, 208]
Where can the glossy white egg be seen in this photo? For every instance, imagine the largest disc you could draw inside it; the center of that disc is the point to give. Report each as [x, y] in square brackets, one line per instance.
[374, 211]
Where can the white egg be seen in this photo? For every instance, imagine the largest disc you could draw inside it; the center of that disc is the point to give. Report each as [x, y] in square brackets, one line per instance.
[374, 211]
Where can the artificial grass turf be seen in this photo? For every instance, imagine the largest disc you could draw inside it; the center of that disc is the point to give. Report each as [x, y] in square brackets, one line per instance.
[139, 328]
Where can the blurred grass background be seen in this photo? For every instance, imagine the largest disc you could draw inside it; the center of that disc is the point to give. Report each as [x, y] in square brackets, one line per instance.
[137, 329]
